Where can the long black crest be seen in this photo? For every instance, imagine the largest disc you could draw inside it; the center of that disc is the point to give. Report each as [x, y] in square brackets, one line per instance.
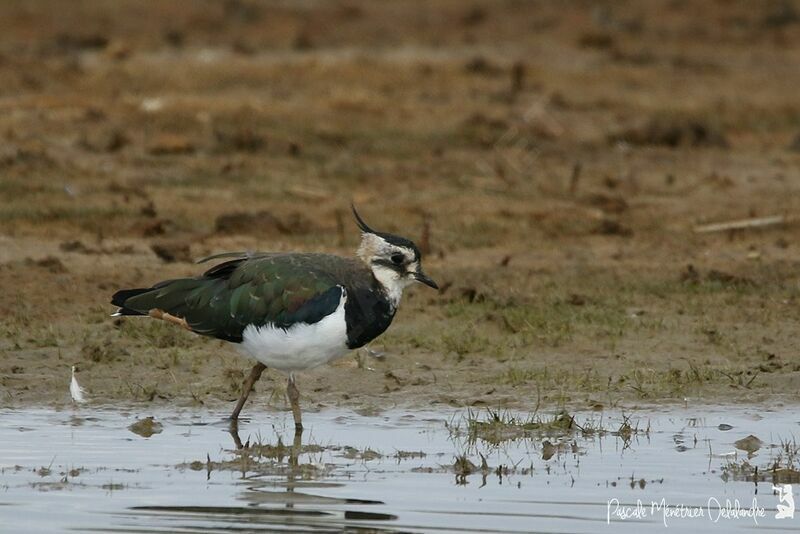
[389, 238]
[361, 224]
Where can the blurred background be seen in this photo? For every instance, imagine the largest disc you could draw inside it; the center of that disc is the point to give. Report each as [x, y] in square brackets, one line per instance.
[557, 162]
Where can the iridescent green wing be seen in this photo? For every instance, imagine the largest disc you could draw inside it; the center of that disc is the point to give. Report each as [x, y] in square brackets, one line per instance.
[278, 289]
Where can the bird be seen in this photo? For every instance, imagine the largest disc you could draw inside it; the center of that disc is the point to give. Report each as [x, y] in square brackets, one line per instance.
[75, 389]
[288, 311]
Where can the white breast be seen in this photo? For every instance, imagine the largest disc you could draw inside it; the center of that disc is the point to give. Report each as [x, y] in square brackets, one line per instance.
[302, 346]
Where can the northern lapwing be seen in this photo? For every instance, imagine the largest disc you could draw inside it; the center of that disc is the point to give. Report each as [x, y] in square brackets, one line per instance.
[289, 311]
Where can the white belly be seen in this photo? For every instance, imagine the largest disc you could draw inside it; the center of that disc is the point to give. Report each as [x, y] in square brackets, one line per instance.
[301, 346]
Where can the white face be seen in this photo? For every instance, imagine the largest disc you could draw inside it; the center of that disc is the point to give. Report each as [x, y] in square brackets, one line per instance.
[394, 266]
[393, 283]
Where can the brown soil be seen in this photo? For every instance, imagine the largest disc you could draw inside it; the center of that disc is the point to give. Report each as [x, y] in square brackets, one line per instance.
[551, 158]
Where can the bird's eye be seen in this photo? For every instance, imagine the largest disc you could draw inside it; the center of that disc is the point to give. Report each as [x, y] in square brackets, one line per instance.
[397, 259]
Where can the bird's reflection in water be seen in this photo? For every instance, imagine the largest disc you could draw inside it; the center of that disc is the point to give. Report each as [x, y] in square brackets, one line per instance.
[261, 492]
[257, 496]
[294, 451]
[299, 509]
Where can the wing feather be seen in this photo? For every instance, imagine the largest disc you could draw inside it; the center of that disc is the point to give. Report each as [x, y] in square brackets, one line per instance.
[278, 289]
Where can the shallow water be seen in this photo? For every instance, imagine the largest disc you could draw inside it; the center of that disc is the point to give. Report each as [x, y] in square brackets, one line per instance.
[84, 470]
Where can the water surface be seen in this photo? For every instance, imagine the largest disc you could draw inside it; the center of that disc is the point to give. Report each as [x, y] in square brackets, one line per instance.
[84, 470]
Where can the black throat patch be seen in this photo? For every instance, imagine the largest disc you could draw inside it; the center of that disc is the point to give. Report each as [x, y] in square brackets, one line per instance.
[368, 314]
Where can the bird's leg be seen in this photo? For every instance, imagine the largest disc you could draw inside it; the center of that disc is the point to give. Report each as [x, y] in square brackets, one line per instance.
[294, 400]
[247, 386]
[233, 429]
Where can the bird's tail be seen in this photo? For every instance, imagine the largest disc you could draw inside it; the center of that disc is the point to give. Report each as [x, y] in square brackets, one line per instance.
[121, 296]
[170, 296]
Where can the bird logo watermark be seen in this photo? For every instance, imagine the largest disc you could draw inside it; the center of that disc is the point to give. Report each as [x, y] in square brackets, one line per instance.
[786, 509]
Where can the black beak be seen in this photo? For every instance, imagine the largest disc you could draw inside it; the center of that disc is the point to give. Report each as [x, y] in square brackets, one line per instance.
[422, 277]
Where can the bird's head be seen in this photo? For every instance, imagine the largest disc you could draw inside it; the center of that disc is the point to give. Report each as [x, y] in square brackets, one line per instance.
[395, 261]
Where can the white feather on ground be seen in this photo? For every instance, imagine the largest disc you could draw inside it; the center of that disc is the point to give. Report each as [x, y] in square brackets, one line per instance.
[75, 389]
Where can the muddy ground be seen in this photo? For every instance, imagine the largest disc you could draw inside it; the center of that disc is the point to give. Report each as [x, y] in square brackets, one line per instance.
[553, 160]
